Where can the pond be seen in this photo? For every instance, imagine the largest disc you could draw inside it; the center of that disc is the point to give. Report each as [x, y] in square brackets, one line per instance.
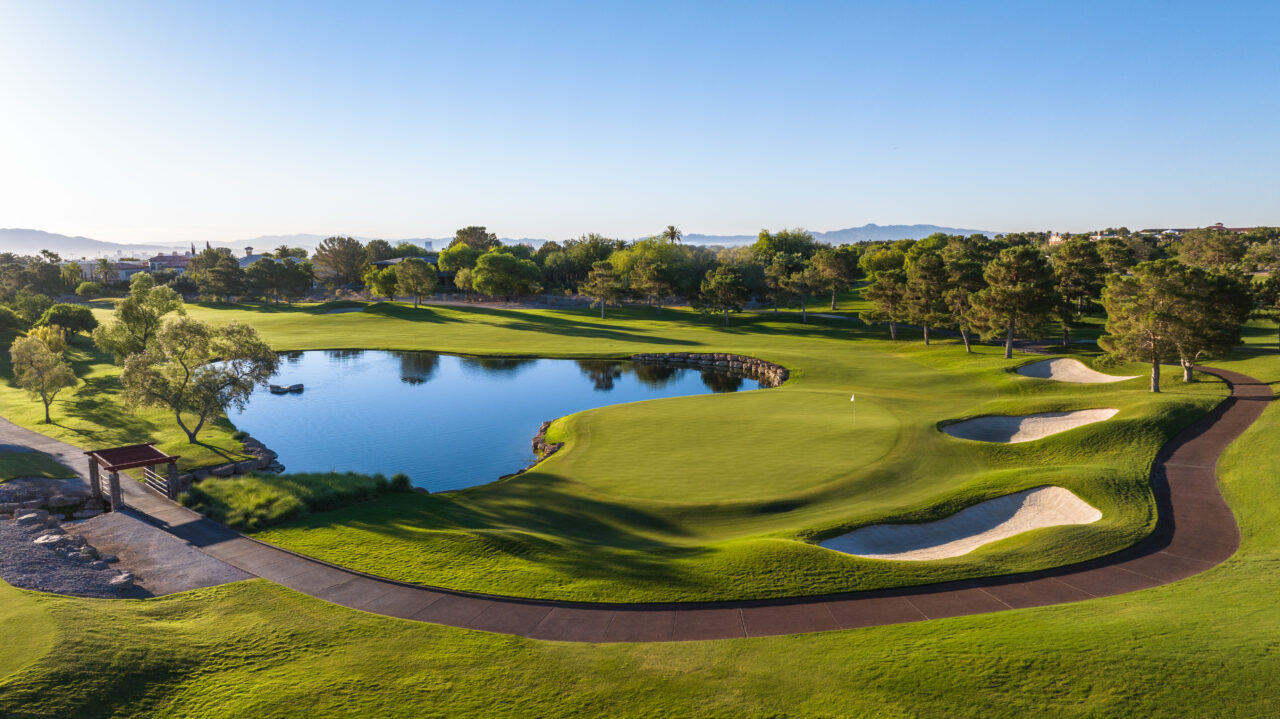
[446, 421]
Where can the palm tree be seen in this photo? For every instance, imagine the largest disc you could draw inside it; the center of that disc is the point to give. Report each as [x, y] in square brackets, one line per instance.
[672, 234]
[105, 271]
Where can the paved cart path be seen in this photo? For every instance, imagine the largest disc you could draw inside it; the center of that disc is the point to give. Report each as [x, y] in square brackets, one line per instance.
[1195, 530]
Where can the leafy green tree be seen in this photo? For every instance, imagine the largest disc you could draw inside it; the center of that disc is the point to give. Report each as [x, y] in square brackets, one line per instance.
[838, 268]
[404, 248]
[1142, 314]
[224, 279]
[1019, 294]
[378, 250]
[464, 281]
[777, 273]
[650, 282]
[476, 237]
[72, 274]
[40, 371]
[416, 278]
[89, 290]
[137, 318]
[887, 294]
[1116, 254]
[603, 286]
[557, 268]
[1215, 305]
[457, 257]
[72, 318]
[1263, 256]
[1078, 275]
[381, 281]
[964, 258]
[30, 305]
[925, 292]
[723, 291]
[295, 279]
[672, 235]
[104, 271]
[197, 370]
[795, 241]
[884, 259]
[1211, 249]
[9, 320]
[340, 261]
[801, 284]
[499, 274]
[284, 252]
[1267, 299]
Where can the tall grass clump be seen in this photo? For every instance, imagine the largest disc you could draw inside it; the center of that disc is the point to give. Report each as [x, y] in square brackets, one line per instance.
[254, 501]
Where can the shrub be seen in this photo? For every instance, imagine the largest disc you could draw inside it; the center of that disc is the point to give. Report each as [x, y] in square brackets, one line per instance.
[73, 318]
[400, 483]
[89, 290]
[9, 320]
[239, 435]
[255, 501]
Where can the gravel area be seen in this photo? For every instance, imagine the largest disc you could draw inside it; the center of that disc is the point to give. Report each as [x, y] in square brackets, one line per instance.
[28, 565]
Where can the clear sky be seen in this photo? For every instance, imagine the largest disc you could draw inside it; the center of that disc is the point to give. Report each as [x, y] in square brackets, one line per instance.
[178, 121]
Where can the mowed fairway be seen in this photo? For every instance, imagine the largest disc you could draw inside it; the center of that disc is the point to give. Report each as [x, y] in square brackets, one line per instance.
[1204, 646]
[725, 497]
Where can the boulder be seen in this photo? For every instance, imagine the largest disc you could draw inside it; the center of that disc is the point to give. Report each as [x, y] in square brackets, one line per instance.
[60, 501]
[31, 518]
[247, 465]
[9, 507]
[122, 581]
[110, 558]
[86, 513]
[98, 564]
[53, 540]
[225, 470]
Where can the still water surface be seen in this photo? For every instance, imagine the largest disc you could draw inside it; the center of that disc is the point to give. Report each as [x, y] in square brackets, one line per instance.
[446, 421]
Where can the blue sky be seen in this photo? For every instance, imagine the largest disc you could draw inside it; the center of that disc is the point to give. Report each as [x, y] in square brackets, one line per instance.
[154, 121]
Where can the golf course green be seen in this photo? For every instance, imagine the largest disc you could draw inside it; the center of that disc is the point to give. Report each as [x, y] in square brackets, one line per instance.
[665, 519]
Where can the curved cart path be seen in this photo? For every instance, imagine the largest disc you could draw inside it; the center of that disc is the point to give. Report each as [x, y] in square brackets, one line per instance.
[1195, 530]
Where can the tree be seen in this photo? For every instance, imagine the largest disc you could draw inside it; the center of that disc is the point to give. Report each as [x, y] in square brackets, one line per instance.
[884, 259]
[30, 306]
[672, 235]
[1116, 254]
[464, 281]
[1078, 272]
[381, 281]
[925, 292]
[53, 337]
[72, 318]
[89, 290]
[475, 236]
[963, 258]
[795, 241]
[498, 274]
[1263, 256]
[415, 277]
[887, 294]
[1215, 305]
[339, 261]
[1211, 249]
[295, 279]
[457, 257]
[801, 282]
[1142, 312]
[40, 371]
[284, 252]
[838, 268]
[137, 318]
[379, 250]
[9, 320]
[723, 291]
[603, 286]
[198, 370]
[104, 271]
[72, 274]
[776, 273]
[1267, 299]
[649, 282]
[1019, 294]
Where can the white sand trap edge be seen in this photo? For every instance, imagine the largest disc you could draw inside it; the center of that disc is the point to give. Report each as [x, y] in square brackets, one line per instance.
[969, 528]
[1065, 369]
[1025, 428]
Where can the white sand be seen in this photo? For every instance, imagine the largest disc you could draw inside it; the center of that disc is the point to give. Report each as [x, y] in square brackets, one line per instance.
[1025, 428]
[969, 528]
[1064, 369]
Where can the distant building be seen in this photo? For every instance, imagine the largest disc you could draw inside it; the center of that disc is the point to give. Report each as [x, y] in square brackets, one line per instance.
[250, 258]
[1056, 239]
[1182, 230]
[175, 262]
[426, 244]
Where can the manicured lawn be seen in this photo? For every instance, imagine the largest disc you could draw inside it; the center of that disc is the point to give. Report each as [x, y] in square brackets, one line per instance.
[1201, 647]
[723, 496]
[31, 464]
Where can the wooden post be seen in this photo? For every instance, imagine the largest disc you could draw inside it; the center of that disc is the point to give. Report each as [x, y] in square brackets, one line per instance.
[95, 480]
[117, 501]
[174, 487]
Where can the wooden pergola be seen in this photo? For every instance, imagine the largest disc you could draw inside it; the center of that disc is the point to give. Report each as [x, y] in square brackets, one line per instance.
[116, 459]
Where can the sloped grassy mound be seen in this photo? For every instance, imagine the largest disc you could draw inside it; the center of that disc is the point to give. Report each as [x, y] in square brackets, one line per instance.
[255, 501]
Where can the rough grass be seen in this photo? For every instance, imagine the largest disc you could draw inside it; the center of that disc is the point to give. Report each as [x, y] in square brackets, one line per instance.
[255, 501]
[31, 464]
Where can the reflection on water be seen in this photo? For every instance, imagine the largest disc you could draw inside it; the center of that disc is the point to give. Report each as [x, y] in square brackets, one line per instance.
[446, 421]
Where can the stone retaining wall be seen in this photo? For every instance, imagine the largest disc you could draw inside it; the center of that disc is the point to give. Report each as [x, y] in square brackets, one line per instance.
[264, 460]
[766, 373]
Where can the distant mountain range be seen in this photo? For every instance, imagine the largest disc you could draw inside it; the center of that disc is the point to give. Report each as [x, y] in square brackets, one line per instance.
[27, 242]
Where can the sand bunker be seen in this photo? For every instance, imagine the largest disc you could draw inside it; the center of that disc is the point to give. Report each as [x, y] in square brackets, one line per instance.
[969, 528]
[1025, 428]
[1064, 369]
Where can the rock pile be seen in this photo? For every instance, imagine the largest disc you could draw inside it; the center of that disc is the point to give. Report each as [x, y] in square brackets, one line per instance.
[541, 446]
[767, 373]
[36, 552]
[264, 460]
[58, 497]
